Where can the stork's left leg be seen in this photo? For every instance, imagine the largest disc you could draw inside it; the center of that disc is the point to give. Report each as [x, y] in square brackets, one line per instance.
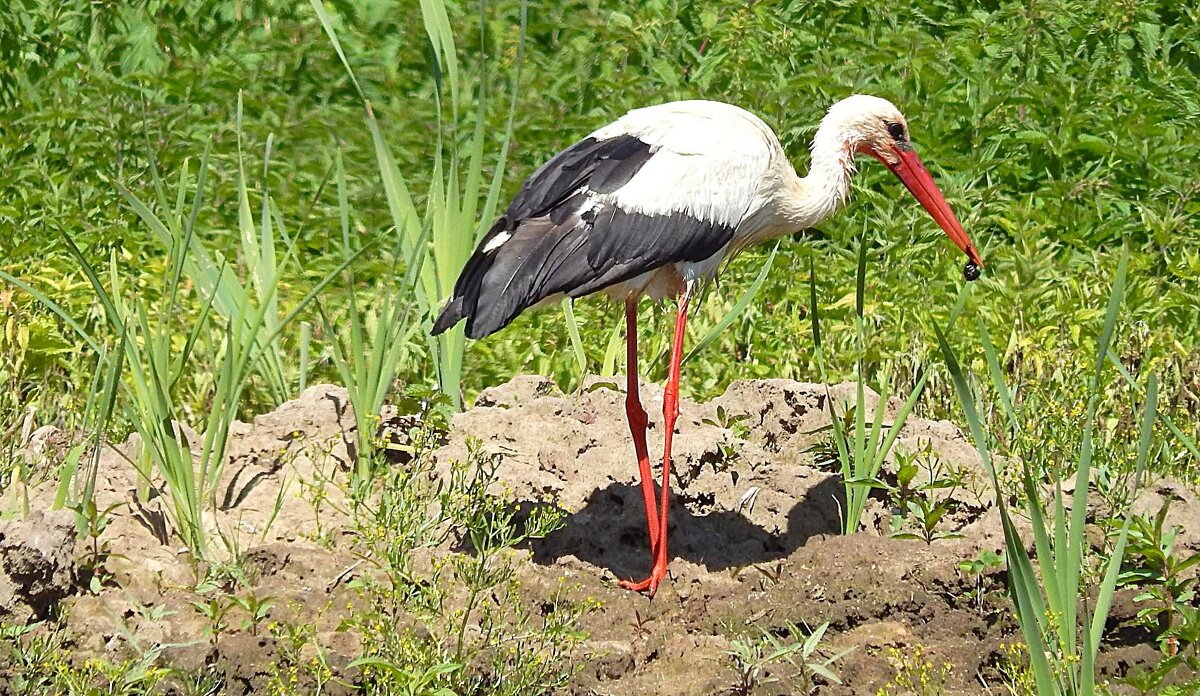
[670, 414]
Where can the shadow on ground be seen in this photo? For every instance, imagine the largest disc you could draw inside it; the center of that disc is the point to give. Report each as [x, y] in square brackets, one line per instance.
[609, 532]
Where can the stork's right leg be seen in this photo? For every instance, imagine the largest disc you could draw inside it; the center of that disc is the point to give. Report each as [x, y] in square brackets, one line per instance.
[637, 424]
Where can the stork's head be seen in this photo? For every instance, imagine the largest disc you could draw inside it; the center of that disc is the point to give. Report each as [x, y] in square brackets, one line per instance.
[873, 126]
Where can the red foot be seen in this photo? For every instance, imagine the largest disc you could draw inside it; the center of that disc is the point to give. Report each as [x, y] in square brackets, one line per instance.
[650, 584]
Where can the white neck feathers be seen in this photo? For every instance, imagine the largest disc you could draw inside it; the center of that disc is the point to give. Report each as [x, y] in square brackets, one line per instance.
[809, 200]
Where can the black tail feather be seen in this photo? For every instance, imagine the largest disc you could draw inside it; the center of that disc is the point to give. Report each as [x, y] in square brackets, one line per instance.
[450, 315]
[464, 303]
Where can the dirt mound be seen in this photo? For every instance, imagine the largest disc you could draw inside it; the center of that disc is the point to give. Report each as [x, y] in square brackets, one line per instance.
[754, 537]
[736, 501]
[281, 509]
[754, 541]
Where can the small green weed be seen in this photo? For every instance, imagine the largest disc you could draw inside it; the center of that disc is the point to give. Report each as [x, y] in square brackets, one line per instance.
[301, 658]
[478, 634]
[215, 612]
[37, 660]
[976, 569]
[804, 651]
[257, 610]
[920, 504]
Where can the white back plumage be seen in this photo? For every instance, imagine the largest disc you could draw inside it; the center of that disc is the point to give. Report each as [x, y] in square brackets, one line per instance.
[713, 161]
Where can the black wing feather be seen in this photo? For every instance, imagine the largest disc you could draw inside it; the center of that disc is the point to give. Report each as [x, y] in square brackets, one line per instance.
[561, 240]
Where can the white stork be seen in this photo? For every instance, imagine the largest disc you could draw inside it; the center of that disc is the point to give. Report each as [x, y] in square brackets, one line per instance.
[653, 204]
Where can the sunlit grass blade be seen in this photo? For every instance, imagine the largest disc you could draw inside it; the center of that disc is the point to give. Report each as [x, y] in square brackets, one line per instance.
[327, 24]
[813, 313]
[902, 415]
[1188, 443]
[454, 194]
[736, 310]
[369, 346]
[70, 465]
[1078, 541]
[612, 350]
[581, 360]
[863, 452]
[1047, 602]
[1024, 574]
[1023, 584]
[1112, 571]
[997, 375]
[441, 38]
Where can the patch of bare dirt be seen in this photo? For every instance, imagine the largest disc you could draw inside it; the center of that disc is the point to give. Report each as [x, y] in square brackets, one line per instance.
[37, 565]
[754, 541]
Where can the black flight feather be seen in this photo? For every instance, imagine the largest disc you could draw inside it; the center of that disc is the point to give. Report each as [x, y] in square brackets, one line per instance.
[562, 240]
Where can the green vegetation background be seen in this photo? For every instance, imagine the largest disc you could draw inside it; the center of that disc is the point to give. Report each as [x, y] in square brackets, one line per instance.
[1059, 130]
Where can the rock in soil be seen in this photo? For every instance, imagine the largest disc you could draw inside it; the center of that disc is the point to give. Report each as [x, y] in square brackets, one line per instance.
[37, 560]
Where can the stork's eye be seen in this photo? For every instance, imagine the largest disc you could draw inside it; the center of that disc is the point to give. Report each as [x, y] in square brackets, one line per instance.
[896, 131]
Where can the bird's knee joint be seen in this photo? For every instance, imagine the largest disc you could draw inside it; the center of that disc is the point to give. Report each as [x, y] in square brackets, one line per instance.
[635, 412]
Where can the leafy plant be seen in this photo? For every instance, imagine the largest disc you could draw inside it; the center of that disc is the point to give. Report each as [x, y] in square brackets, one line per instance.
[257, 610]
[1150, 563]
[93, 522]
[920, 505]
[40, 661]
[976, 569]
[214, 611]
[1175, 674]
[736, 427]
[300, 654]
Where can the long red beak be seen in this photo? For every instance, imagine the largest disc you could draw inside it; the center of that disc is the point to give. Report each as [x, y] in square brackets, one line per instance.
[919, 182]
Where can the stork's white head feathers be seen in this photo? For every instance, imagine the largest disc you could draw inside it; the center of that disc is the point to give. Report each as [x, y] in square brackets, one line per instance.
[863, 124]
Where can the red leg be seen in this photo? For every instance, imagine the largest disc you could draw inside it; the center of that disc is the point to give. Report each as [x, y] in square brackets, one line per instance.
[637, 422]
[670, 414]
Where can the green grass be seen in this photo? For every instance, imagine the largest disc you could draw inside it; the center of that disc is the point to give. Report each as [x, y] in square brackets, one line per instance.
[996, 96]
[861, 447]
[1062, 644]
[1061, 131]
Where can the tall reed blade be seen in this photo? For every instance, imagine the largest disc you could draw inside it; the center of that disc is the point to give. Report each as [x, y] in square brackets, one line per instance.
[862, 447]
[737, 309]
[581, 360]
